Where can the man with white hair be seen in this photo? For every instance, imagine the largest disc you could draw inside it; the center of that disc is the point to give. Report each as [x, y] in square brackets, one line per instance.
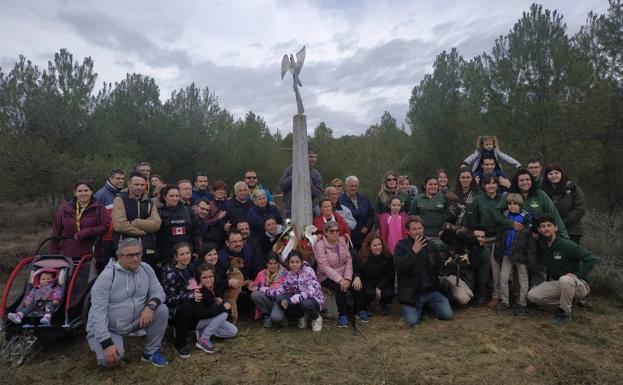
[360, 207]
[238, 206]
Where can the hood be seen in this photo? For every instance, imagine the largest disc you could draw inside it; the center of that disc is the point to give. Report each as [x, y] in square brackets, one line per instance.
[35, 279]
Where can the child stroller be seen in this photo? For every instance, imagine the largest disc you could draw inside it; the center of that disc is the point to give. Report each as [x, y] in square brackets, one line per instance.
[75, 276]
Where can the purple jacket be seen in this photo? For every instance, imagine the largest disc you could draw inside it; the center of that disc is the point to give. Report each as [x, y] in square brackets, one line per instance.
[298, 286]
[93, 223]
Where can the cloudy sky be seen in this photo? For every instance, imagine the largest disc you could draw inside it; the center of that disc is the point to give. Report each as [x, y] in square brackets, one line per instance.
[363, 57]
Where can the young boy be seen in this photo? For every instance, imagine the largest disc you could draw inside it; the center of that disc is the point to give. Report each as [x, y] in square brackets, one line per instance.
[45, 294]
[515, 249]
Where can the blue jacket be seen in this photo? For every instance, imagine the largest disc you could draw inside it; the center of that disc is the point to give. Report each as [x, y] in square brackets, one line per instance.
[106, 195]
[236, 210]
[363, 214]
[257, 215]
[199, 194]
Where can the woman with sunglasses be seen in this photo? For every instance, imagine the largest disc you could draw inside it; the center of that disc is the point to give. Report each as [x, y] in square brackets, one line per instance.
[389, 187]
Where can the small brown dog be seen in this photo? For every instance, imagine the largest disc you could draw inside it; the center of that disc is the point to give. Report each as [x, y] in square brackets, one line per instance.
[232, 293]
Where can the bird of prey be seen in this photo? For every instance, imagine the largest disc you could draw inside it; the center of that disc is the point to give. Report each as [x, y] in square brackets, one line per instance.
[289, 64]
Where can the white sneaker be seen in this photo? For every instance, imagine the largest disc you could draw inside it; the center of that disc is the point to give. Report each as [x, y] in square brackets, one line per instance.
[303, 321]
[139, 333]
[317, 324]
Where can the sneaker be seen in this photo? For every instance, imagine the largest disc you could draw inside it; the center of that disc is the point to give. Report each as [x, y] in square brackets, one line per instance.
[138, 333]
[317, 324]
[267, 322]
[16, 318]
[384, 309]
[342, 321]
[155, 358]
[502, 307]
[303, 321]
[206, 345]
[561, 318]
[183, 351]
[363, 316]
[519, 310]
[45, 320]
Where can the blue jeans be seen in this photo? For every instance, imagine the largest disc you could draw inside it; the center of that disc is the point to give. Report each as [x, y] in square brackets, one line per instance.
[434, 300]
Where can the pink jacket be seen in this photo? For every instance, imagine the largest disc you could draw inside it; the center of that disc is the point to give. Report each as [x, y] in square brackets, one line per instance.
[384, 228]
[334, 262]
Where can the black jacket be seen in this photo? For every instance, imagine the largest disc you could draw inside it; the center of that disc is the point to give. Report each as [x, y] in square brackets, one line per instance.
[378, 270]
[417, 273]
[208, 308]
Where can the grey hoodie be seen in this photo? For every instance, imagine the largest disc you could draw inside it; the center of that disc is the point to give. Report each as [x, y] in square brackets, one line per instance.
[118, 297]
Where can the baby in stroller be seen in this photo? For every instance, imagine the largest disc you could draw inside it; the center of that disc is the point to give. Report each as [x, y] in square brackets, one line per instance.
[44, 296]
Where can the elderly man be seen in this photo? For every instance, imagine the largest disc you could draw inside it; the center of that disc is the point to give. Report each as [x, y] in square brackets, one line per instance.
[186, 192]
[360, 207]
[238, 206]
[126, 297]
[568, 266]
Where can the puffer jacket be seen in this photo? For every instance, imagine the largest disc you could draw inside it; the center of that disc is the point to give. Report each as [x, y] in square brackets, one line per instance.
[298, 286]
[570, 204]
[334, 262]
[93, 224]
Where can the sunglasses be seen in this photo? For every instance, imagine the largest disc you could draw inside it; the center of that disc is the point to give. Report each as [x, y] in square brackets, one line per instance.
[388, 179]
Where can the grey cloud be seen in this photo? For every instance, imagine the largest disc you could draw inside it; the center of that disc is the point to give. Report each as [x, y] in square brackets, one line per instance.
[100, 29]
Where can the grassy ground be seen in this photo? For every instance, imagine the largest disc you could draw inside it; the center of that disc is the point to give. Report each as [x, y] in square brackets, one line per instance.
[480, 346]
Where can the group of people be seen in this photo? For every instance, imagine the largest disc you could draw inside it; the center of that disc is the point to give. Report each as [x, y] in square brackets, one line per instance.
[191, 257]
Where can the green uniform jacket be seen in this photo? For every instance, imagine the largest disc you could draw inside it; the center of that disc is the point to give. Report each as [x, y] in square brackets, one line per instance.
[565, 256]
[433, 211]
[480, 213]
[571, 207]
[536, 206]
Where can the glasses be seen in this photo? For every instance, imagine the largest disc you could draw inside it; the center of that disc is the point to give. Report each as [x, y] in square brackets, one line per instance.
[333, 230]
[388, 179]
[205, 209]
[337, 185]
[133, 255]
[250, 177]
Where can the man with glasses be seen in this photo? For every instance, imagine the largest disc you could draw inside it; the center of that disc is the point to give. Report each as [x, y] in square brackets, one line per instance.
[250, 177]
[126, 297]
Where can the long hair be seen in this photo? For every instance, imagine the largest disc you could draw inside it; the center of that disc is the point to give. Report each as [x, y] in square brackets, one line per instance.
[481, 141]
[515, 187]
[561, 186]
[383, 192]
[364, 252]
[458, 189]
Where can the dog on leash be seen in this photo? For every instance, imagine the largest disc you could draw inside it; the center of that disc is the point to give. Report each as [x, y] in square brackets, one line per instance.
[232, 293]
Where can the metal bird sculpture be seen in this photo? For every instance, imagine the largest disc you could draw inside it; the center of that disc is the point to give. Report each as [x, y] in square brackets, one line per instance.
[289, 64]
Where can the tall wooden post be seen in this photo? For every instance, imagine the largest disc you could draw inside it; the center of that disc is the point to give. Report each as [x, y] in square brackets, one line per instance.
[301, 184]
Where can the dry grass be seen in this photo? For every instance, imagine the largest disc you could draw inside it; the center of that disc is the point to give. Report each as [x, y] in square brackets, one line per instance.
[479, 347]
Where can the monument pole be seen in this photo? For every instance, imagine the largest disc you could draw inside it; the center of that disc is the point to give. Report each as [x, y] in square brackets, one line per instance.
[301, 185]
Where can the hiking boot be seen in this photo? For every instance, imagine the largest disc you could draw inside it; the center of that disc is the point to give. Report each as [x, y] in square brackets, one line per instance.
[561, 318]
[182, 351]
[502, 307]
[317, 324]
[267, 322]
[363, 316]
[303, 321]
[155, 358]
[206, 345]
[16, 318]
[384, 309]
[519, 310]
[342, 321]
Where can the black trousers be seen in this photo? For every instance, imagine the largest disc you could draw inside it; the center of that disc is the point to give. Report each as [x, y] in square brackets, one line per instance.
[340, 296]
[364, 297]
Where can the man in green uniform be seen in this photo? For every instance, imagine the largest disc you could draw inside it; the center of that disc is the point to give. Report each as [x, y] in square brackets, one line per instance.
[568, 266]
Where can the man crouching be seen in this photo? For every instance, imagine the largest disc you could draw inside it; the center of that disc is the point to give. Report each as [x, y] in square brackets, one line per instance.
[126, 297]
[568, 266]
[418, 265]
